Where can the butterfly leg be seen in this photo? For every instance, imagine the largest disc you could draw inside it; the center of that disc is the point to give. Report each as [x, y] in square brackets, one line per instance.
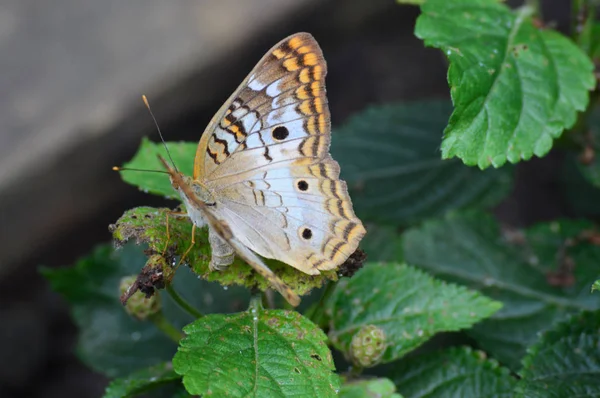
[175, 213]
[192, 245]
[222, 253]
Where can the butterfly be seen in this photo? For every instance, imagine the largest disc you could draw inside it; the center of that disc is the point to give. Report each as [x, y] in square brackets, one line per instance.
[263, 178]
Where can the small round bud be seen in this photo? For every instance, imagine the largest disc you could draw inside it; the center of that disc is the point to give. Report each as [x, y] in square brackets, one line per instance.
[138, 305]
[367, 346]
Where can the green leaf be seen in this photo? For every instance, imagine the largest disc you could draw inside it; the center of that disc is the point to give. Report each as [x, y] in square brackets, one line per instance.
[581, 197]
[148, 225]
[454, 372]
[381, 244]
[565, 362]
[146, 158]
[470, 249]
[110, 341]
[371, 388]
[142, 381]
[595, 42]
[515, 88]
[256, 354]
[596, 286]
[405, 303]
[389, 156]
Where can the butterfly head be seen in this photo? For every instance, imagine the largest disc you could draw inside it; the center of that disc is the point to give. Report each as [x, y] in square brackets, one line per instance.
[191, 191]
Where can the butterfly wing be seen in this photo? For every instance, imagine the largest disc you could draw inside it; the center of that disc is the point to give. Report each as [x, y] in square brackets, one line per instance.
[265, 156]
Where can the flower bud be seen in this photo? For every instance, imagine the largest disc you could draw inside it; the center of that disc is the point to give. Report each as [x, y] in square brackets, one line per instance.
[367, 346]
[138, 305]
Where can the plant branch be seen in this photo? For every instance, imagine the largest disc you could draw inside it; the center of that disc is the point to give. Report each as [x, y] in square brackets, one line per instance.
[182, 303]
[166, 327]
[317, 310]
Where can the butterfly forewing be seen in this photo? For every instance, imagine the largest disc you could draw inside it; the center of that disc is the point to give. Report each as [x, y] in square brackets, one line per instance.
[265, 156]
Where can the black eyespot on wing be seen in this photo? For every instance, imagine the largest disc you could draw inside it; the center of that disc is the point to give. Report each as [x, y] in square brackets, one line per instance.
[280, 133]
[302, 185]
[307, 233]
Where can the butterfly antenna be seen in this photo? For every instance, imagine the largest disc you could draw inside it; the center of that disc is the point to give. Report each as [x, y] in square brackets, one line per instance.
[117, 168]
[159, 132]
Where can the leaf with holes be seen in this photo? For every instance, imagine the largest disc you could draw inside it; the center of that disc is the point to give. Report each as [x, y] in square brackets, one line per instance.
[257, 353]
[389, 156]
[541, 275]
[565, 362]
[515, 87]
[406, 304]
[146, 158]
[148, 225]
[457, 371]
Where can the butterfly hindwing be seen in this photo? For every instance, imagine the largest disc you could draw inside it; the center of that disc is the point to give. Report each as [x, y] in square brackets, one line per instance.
[300, 215]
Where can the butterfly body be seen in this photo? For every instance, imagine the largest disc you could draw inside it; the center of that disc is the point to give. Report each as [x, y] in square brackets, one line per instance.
[263, 173]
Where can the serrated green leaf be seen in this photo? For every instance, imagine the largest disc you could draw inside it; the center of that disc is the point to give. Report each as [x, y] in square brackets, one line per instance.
[142, 381]
[148, 225]
[469, 249]
[256, 354]
[515, 88]
[596, 286]
[146, 158]
[407, 304]
[389, 156]
[565, 362]
[110, 341]
[454, 372]
[371, 388]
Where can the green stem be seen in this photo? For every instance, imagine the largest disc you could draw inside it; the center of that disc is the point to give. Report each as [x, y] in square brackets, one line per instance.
[166, 327]
[317, 310]
[355, 371]
[182, 303]
[256, 301]
[535, 6]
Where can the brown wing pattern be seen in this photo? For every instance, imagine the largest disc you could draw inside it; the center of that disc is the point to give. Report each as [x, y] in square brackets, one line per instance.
[265, 156]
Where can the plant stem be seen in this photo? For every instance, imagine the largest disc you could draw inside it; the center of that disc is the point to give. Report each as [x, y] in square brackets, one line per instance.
[355, 371]
[269, 299]
[166, 327]
[317, 310]
[535, 6]
[182, 303]
[256, 301]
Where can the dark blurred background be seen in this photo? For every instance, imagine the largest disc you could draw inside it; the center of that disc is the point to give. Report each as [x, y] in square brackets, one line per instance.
[71, 77]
